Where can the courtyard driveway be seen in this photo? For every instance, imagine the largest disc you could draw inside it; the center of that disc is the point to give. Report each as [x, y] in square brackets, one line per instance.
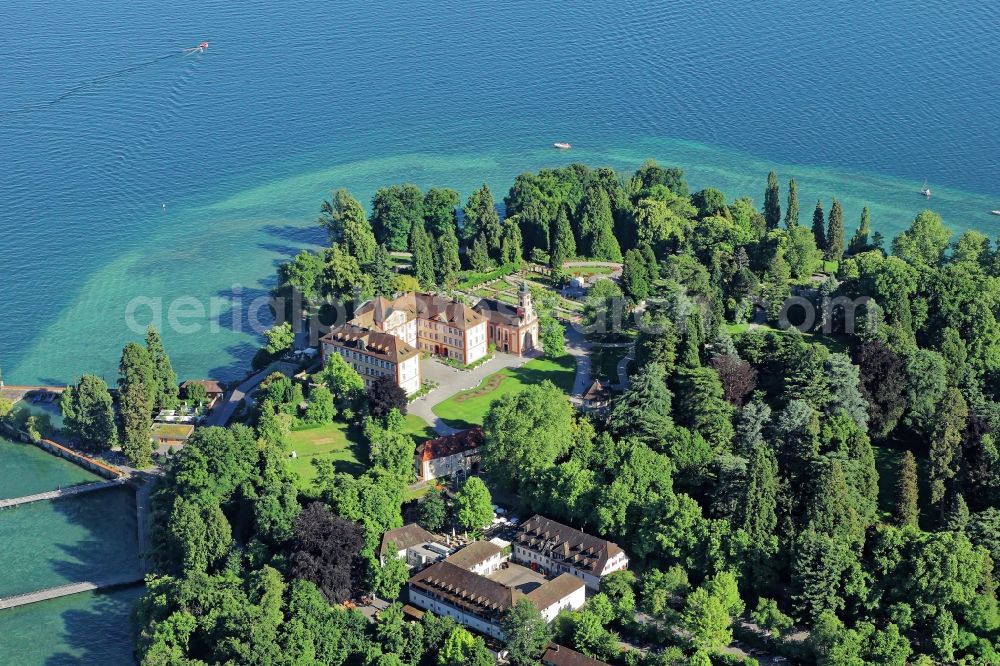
[452, 380]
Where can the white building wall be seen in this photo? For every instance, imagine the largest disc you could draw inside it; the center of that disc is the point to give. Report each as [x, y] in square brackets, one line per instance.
[476, 342]
[439, 607]
[409, 375]
[573, 601]
[489, 565]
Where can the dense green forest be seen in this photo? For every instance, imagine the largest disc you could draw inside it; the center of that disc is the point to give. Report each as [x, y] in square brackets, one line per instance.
[836, 487]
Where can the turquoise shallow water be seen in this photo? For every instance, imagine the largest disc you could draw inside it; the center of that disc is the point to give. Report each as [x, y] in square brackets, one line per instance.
[87, 628]
[46, 544]
[25, 470]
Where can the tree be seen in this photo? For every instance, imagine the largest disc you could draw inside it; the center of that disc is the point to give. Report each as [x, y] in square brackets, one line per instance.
[859, 241]
[382, 273]
[482, 220]
[320, 409]
[384, 395]
[772, 203]
[324, 551]
[563, 243]
[950, 419]
[394, 212]
[89, 415]
[196, 393]
[597, 229]
[552, 335]
[479, 256]
[525, 632]
[801, 253]
[344, 382]
[834, 249]
[136, 367]
[423, 255]
[390, 576]
[700, 405]
[924, 243]
[792, 212]
[440, 204]
[907, 509]
[462, 649]
[163, 372]
[511, 242]
[447, 261]
[473, 505]
[708, 613]
[136, 421]
[635, 276]
[819, 225]
[769, 616]
[433, 510]
[525, 433]
[280, 339]
[738, 377]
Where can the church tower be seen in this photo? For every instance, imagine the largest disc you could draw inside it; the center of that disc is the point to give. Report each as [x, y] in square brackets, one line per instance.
[525, 308]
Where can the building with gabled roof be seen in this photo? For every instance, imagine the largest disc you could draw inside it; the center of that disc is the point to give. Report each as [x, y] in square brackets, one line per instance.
[418, 323]
[560, 655]
[479, 602]
[481, 557]
[513, 329]
[554, 548]
[458, 453]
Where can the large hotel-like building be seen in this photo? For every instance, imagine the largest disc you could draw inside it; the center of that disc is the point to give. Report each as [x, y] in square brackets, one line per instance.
[386, 337]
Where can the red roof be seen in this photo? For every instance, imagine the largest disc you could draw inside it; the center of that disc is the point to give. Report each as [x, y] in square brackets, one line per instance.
[442, 447]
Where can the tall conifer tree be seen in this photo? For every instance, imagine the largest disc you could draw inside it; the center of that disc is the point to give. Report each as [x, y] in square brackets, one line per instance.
[907, 505]
[563, 243]
[835, 233]
[792, 212]
[859, 241]
[819, 225]
[772, 203]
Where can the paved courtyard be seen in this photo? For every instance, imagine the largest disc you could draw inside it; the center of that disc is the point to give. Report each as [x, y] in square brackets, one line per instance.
[518, 577]
[452, 380]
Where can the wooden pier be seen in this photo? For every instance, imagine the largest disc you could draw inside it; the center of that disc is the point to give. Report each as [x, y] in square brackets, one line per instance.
[72, 588]
[62, 492]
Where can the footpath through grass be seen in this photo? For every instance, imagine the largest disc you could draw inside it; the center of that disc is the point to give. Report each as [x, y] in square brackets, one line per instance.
[342, 443]
[468, 408]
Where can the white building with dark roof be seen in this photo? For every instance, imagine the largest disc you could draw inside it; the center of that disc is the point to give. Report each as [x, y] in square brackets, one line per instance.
[554, 548]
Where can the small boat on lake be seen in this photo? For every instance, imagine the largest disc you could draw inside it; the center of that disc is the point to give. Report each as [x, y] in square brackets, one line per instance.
[926, 191]
[561, 145]
[995, 212]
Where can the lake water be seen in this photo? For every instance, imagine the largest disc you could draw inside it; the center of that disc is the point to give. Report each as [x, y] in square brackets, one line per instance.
[191, 175]
[25, 469]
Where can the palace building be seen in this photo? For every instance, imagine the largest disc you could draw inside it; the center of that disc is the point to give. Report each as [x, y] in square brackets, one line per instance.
[386, 337]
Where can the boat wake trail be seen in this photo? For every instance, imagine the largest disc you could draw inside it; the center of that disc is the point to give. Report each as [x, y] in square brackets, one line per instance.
[96, 81]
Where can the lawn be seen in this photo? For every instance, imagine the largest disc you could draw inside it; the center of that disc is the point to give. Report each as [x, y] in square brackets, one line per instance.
[588, 271]
[343, 444]
[467, 408]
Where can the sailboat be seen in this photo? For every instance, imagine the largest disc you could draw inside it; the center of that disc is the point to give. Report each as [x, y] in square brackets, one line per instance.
[926, 191]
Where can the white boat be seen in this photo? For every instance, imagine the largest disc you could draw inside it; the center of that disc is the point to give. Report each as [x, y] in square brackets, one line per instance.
[995, 212]
[561, 145]
[926, 191]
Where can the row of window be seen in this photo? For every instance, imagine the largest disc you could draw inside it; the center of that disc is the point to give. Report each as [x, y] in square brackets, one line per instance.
[358, 356]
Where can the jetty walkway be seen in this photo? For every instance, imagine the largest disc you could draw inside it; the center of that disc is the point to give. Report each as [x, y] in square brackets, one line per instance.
[72, 588]
[62, 492]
